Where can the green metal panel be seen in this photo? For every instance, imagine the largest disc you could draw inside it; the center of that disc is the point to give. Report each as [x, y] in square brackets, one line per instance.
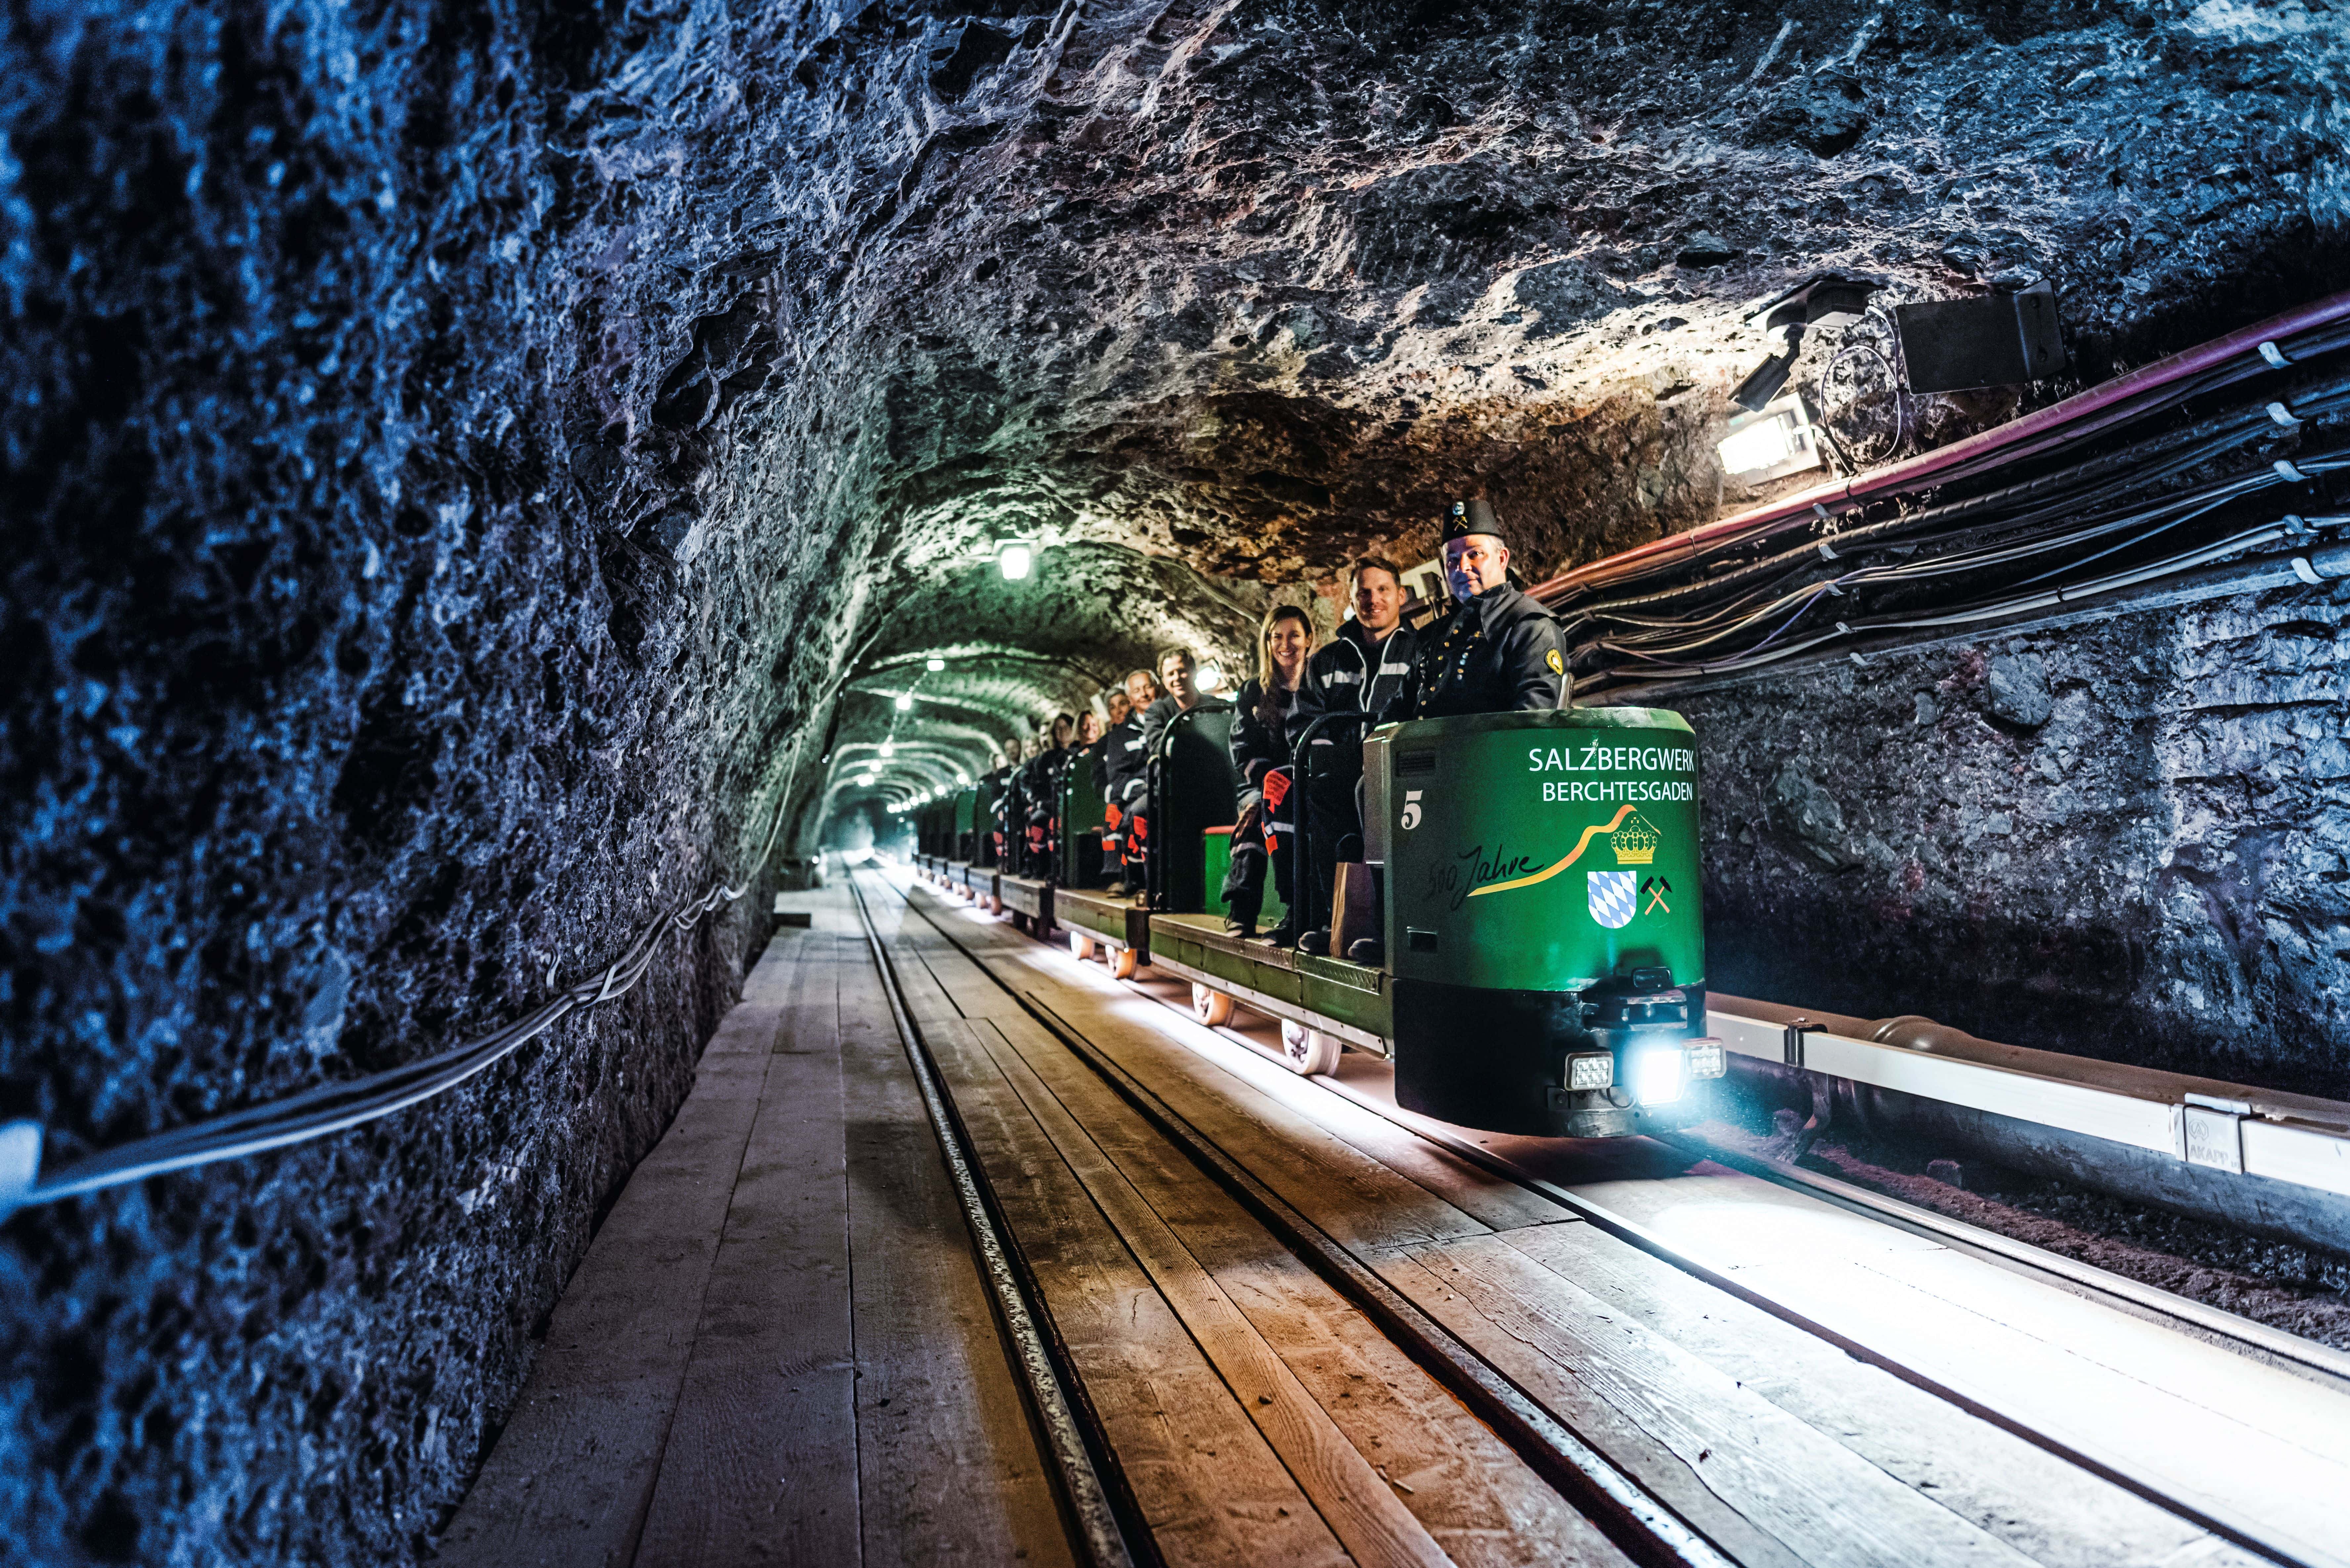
[967, 824]
[1177, 949]
[1216, 858]
[1199, 792]
[1110, 923]
[1542, 852]
[1272, 980]
[1080, 811]
[1350, 992]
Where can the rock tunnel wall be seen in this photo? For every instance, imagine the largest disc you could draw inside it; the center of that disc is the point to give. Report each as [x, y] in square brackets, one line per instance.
[2125, 839]
[473, 467]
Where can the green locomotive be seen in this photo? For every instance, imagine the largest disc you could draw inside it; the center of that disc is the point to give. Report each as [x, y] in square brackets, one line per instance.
[1544, 969]
[1545, 951]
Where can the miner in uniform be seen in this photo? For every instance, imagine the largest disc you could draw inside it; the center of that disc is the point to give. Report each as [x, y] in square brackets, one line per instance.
[1496, 651]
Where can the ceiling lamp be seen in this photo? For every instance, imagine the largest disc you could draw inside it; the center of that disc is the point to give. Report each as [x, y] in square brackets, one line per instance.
[1774, 440]
[934, 665]
[1014, 561]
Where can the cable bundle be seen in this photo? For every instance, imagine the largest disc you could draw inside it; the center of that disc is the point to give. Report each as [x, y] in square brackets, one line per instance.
[1738, 593]
[333, 1107]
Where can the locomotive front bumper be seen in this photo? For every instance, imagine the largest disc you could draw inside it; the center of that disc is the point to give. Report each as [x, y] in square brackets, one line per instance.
[1609, 1092]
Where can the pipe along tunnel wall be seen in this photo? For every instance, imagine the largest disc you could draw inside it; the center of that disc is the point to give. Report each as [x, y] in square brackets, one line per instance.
[468, 465]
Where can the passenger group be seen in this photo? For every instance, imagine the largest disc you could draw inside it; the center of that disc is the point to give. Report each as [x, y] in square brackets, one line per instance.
[1494, 650]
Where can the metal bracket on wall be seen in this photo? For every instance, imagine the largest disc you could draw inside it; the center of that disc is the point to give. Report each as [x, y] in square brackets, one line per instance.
[1795, 1037]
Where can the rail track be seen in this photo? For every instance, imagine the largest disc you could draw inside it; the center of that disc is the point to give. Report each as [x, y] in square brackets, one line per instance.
[1707, 1364]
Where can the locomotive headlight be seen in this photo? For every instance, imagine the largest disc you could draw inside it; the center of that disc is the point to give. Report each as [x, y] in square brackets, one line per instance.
[1705, 1060]
[1594, 1071]
[1656, 1077]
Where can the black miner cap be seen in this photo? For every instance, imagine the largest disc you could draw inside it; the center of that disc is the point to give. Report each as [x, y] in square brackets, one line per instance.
[1469, 517]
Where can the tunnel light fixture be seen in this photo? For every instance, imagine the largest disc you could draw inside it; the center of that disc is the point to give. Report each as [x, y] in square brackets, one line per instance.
[1209, 677]
[935, 664]
[1772, 441]
[1014, 561]
[905, 702]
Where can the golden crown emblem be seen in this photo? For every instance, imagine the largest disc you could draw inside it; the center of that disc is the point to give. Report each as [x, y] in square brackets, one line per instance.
[1636, 842]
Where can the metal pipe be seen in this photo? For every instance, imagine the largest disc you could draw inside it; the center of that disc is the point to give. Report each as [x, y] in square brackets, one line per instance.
[2281, 1210]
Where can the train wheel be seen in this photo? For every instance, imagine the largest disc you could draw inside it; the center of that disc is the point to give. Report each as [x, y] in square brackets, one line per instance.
[1308, 1051]
[1081, 946]
[1123, 963]
[1211, 1007]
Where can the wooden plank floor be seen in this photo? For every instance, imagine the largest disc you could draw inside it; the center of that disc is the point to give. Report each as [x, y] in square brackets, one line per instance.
[1772, 1442]
[1256, 1415]
[779, 1348]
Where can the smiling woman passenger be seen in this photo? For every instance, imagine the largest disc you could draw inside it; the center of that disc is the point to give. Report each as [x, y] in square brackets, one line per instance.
[1271, 711]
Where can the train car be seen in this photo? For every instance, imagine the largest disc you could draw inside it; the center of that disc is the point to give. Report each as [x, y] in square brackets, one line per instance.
[1544, 969]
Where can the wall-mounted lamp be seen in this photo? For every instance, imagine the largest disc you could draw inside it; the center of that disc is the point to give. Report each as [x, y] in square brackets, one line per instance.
[1819, 302]
[1209, 677]
[934, 665]
[1014, 561]
[905, 702]
[1770, 443]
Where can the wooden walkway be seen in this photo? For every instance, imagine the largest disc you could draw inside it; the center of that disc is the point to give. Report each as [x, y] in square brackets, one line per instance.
[778, 1349]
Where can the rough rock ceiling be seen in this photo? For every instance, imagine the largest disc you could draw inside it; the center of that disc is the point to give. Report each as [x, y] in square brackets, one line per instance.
[1252, 287]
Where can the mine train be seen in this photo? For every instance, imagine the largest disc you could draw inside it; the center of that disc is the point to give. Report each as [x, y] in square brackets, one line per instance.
[1536, 876]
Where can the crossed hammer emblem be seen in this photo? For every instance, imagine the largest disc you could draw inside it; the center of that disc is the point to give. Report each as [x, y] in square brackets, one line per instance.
[1656, 887]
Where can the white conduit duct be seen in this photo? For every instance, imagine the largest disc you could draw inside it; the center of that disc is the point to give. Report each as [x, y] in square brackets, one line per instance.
[334, 1107]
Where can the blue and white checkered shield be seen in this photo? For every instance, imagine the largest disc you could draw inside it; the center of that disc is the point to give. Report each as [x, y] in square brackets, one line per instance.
[1614, 898]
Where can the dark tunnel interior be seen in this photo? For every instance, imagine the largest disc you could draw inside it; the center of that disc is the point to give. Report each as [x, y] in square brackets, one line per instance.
[476, 470]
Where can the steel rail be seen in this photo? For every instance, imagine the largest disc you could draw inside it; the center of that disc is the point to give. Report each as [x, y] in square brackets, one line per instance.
[1639, 1236]
[1071, 1430]
[1642, 1525]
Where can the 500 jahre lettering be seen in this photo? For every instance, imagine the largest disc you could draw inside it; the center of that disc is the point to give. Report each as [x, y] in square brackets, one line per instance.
[1471, 869]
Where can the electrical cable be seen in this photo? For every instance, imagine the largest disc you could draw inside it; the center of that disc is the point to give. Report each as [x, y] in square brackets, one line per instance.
[2067, 594]
[336, 1107]
[2094, 481]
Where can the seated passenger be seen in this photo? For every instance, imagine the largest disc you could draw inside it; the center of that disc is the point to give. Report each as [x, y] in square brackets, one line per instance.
[1040, 792]
[1268, 715]
[1123, 777]
[1358, 671]
[1178, 676]
[1176, 670]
